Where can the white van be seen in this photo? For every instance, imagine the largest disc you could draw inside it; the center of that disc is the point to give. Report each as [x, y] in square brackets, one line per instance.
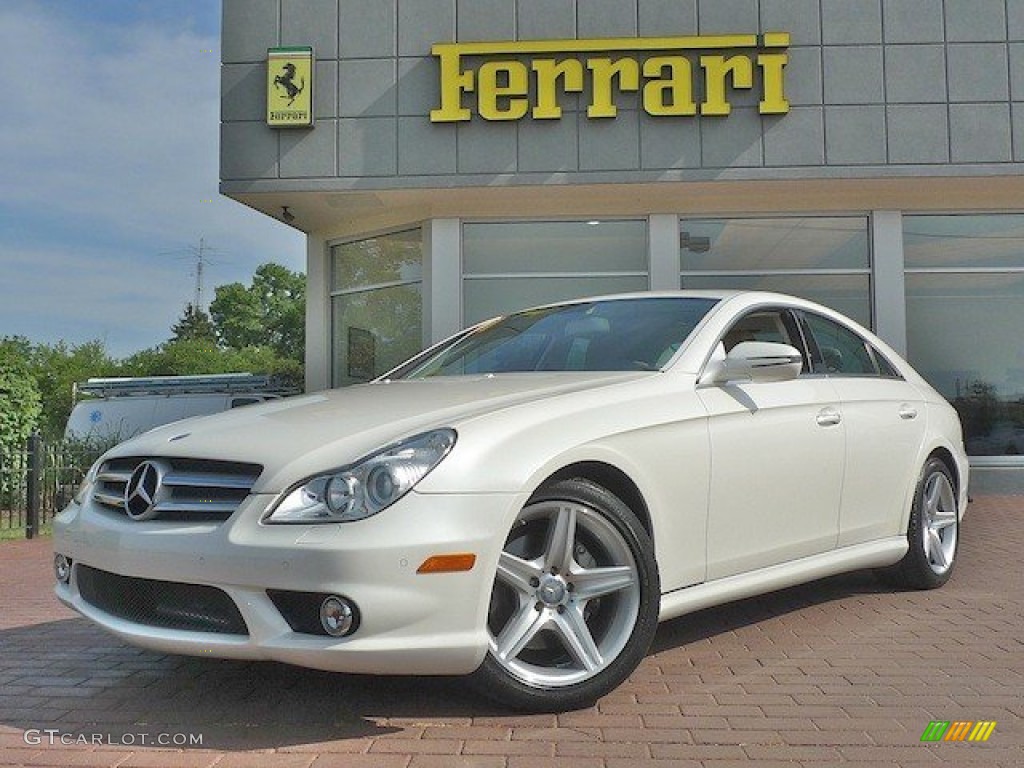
[119, 408]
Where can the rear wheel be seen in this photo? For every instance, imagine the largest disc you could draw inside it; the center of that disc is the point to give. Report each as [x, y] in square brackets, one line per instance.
[575, 601]
[933, 533]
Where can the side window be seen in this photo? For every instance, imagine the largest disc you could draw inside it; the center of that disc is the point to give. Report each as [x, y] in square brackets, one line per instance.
[887, 369]
[841, 350]
[774, 325]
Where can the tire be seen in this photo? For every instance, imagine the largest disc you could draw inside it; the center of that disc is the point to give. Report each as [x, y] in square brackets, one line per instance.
[933, 532]
[575, 601]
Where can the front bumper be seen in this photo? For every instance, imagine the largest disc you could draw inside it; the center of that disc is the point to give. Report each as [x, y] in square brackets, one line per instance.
[410, 623]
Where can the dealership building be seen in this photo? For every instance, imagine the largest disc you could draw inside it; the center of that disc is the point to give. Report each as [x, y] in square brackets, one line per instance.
[450, 160]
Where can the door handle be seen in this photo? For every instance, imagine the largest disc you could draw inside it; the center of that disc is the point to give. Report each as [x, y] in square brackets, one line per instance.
[907, 412]
[828, 417]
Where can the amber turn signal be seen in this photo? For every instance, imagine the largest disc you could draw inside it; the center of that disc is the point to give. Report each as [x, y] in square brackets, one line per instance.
[462, 561]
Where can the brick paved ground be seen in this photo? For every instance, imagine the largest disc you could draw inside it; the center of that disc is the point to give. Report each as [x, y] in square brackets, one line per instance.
[839, 671]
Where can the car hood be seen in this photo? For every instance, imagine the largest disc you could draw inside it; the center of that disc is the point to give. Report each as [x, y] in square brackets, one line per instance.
[299, 436]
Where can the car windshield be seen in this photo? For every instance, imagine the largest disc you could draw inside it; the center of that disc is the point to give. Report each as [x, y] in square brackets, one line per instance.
[639, 334]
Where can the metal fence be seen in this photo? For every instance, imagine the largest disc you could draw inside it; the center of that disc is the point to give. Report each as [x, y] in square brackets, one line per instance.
[38, 481]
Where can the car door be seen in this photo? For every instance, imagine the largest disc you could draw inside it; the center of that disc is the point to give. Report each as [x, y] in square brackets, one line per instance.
[777, 453]
[885, 424]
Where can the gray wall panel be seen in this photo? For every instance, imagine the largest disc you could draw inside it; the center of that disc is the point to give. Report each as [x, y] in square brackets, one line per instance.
[367, 30]
[424, 148]
[421, 23]
[610, 145]
[368, 88]
[847, 22]
[734, 141]
[804, 76]
[311, 22]
[918, 134]
[606, 18]
[853, 75]
[243, 89]
[485, 19]
[915, 74]
[801, 18]
[368, 147]
[1018, 132]
[545, 19]
[668, 144]
[248, 151]
[979, 133]
[1015, 19]
[251, 26]
[667, 17]
[912, 21]
[855, 135]
[325, 99]
[549, 145]
[799, 139]
[310, 153]
[978, 72]
[487, 148]
[715, 17]
[417, 86]
[975, 20]
[1017, 71]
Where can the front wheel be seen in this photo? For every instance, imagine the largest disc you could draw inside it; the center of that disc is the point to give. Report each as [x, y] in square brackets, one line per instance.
[575, 601]
[933, 533]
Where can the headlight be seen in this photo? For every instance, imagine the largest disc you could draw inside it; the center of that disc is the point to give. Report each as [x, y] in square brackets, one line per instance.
[85, 487]
[366, 487]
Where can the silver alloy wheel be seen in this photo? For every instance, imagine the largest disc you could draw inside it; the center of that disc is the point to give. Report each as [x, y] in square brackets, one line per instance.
[938, 522]
[566, 595]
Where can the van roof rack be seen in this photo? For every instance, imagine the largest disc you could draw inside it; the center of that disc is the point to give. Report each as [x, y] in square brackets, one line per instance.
[177, 385]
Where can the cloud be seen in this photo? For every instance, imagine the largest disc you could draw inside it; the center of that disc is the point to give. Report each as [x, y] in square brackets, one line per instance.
[109, 148]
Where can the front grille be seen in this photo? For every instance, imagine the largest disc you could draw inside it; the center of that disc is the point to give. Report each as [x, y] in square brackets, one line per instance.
[167, 604]
[188, 489]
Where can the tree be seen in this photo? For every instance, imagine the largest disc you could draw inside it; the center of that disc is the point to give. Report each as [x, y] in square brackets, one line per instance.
[56, 368]
[194, 324]
[19, 397]
[271, 312]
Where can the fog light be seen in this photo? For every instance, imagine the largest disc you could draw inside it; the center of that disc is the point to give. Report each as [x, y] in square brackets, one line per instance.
[337, 616]
[62, 568]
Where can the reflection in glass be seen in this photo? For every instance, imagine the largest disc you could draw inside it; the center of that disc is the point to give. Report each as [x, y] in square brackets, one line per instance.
[380, 260]
[554, 246]
[488, 298]
[376, 305]
[964, 335]
[759, 245]
[514, 265]
[373, 331]
[848, 294]
[995, 240]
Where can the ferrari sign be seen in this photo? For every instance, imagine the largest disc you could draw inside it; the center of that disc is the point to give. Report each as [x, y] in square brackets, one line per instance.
[290, 87]
[674, 76]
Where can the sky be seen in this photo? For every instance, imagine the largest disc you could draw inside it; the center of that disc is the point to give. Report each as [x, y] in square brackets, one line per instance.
[109, 153]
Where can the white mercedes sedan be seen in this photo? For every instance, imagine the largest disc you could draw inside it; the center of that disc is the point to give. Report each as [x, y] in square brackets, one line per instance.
[524, 502]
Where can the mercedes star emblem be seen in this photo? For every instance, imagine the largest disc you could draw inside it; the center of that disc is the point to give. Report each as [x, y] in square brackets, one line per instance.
[143, 490]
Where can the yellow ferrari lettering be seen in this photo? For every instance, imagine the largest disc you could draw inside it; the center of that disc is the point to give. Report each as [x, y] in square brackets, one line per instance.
[542, 72]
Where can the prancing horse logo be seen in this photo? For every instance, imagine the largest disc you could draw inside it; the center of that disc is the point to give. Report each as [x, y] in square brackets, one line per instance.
[143, 491]
[287, 81]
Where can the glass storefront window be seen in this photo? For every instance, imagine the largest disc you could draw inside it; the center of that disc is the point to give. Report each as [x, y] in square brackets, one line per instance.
[823, 259]
[513, 265]
[376, 305]
[965, 315]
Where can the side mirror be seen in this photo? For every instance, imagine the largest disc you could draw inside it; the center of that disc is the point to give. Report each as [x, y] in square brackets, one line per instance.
[757, 361]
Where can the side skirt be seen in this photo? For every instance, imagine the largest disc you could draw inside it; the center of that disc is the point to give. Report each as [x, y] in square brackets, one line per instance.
[875, 554]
